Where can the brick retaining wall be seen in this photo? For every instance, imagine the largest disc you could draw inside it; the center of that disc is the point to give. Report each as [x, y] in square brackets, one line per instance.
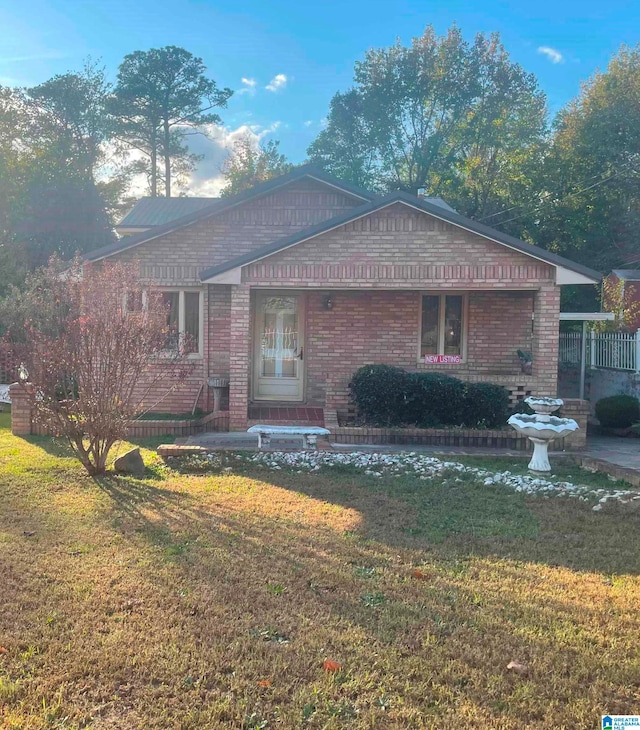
[22, 422]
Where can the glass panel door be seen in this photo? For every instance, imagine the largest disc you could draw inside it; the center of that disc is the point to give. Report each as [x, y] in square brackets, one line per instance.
[279, 347]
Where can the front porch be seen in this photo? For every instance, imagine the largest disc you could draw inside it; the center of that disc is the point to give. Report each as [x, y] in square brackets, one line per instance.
[293, 350]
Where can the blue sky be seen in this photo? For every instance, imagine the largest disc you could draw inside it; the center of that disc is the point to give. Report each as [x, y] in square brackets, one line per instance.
[308, 48]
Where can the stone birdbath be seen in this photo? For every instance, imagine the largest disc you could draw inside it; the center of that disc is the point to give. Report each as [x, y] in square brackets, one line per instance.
[542, 428]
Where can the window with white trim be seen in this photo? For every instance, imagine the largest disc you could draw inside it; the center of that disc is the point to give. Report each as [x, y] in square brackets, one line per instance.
[442, 328]
[184, 318]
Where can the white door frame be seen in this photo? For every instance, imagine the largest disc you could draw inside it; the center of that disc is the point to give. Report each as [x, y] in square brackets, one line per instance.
[298, 396]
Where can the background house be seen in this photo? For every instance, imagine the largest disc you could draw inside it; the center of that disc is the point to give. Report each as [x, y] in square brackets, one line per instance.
[628, 281]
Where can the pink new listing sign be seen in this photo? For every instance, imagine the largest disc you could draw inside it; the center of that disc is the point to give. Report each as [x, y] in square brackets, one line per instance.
[442, 359]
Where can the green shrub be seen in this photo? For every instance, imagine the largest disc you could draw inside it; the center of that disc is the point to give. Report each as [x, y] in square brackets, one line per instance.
[389, 396]
[485, 404]
[618, 411]
[380, 393]
[435, 399]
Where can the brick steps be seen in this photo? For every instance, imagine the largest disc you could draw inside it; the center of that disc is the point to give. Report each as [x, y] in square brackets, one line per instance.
[285, 415]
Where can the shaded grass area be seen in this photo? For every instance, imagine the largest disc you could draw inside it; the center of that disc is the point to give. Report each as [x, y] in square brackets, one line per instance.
[212, 601]
[563, 468]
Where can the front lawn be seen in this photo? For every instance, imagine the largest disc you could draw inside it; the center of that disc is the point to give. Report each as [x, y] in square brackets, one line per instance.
[189, 602]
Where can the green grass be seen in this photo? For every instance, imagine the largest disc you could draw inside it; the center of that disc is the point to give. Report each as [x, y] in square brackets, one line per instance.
[564, 469]
[181, 601]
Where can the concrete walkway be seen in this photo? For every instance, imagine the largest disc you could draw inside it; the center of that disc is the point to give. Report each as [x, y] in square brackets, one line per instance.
[623, 452]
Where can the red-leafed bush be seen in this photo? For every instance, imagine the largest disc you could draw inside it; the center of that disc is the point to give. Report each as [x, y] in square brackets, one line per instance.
[93, 354]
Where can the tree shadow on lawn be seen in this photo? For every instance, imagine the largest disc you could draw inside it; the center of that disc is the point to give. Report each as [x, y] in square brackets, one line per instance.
[52, 445]
[274, 577]
[325, 562]
[464, 518]
[149, 510]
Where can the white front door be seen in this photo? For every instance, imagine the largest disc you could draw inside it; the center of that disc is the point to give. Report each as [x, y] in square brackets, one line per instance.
[278, 369]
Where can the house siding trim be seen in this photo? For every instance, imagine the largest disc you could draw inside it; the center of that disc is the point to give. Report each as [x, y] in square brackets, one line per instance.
[568, 271]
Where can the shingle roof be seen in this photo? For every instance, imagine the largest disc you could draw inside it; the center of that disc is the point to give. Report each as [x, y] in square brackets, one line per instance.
[435, 206]
[439, 211]
[149, 212]
[440, 202]
[218, 205]
[627, 274]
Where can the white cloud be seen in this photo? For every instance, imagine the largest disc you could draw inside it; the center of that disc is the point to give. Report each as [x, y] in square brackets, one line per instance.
[308, 123]
[206, 179]
[551, 53]
[248, 86]
[48, 56]
[277, 83]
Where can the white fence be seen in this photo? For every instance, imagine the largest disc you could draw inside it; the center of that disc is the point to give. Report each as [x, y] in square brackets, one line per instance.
[615, 350]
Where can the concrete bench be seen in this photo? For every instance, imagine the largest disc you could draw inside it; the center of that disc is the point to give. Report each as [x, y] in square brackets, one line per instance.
[309, 434]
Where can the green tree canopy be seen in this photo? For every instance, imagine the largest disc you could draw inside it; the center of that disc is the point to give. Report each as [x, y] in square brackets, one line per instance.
[250, 163]
[590, 191]
[161, 96]
[457, 118]
[69, 117]
[50, 149]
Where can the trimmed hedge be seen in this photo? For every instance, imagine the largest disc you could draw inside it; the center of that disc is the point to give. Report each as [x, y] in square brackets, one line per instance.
[390, 396]
[485, 404]
[618, 411]
[436, 399]
[381, 393]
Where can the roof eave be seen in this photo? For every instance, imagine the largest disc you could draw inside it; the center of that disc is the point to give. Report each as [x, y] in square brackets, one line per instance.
[567, 272]
[221, 205]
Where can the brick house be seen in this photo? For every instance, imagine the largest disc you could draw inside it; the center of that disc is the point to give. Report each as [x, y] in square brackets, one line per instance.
[628, 282]
[290, 287]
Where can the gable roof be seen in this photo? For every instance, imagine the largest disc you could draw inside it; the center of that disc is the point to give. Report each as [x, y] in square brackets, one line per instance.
[219, 205]
[585, 274]
[627, 274]
[149, 212]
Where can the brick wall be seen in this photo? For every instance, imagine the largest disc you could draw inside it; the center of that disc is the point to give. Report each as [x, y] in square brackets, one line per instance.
[398, 247]
[170, 395]
[384, 327]
[219, 339]
[177, 258]
[579, 411]
[239, 368]
[20, 410]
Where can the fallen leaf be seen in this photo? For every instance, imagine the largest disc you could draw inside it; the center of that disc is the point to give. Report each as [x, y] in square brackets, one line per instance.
[264, 683]
[417, 573]
[330, 666]
[517, 667]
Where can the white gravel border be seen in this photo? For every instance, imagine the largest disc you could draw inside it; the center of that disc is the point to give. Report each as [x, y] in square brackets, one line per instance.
[427, 467]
